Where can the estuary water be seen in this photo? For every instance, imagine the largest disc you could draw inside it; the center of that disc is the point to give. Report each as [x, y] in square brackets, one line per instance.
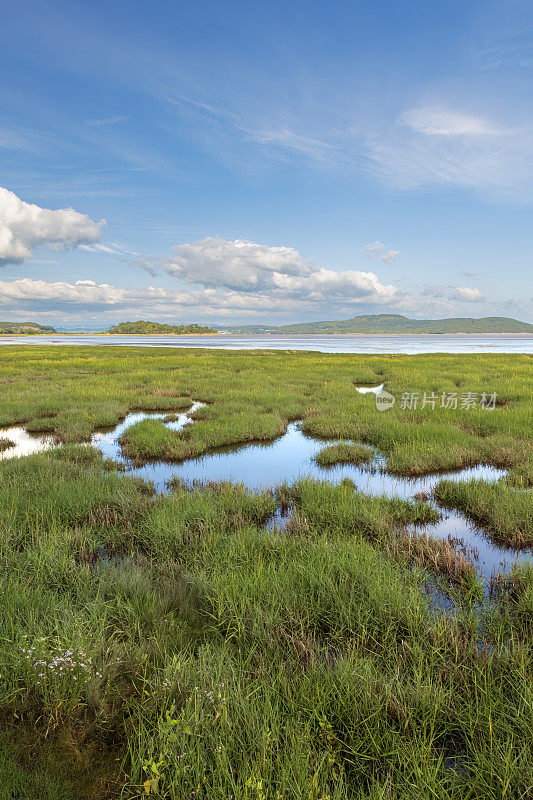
[409, 345]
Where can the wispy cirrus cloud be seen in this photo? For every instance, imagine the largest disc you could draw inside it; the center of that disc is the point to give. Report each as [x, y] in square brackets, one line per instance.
[438, 145]
[98, 123]
[442, 121]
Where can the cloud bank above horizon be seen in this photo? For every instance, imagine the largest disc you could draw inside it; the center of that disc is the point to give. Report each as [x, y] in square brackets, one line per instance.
[214, 277]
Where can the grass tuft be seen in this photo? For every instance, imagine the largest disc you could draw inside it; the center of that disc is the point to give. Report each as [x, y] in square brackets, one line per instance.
[344, 453]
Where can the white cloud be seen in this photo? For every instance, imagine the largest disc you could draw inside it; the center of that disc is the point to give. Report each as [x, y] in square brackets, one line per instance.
[440, 121]
[374, 249]
[95, 123]
[390, 256]
[466, 293]
[237, 280]
[324, 284]
[101, 248]
[238, 264]
[288, 295]
[88, 293]
[461, 293]
[276, 271]
[433, 143]
[314, 149]
[25, 226]
[432, 146]
[378, 249]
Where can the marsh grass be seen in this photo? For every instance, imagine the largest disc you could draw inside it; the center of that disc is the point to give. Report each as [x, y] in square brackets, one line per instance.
[150, 439]
[341, 509]
[173, 647]
[73, 391]
[344, 453]
[505, 511]
[5, 444]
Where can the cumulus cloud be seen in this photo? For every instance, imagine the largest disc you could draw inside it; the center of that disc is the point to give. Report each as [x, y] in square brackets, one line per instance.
[390, 256]
[378, 249]
[374, 249]
[277, 271]
[292, 296]
[463, 293]
[231, 280]
[238, 264]
[25, 226]
[466, 293]
[327, 283]
[87, 292]
[84, 296]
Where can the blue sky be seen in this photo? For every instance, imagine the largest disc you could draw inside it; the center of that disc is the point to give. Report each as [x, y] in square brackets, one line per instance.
[265, 162]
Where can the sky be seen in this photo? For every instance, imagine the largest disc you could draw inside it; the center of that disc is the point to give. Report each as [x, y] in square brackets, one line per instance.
[265, 162]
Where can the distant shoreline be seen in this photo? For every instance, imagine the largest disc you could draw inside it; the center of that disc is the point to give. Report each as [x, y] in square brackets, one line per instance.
[249, 335]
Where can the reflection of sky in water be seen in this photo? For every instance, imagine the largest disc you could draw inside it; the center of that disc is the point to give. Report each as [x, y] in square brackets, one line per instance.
[24, 443]
[370, 389]
[286, 459]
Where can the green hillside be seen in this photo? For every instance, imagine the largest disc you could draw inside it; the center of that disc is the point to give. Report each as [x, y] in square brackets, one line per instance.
[395, 323]
[7, 328]
[154, 328]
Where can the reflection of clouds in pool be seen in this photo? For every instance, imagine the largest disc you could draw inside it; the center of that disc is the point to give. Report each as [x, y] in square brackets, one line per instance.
[108, 441]
[24, 443]
[370, 389]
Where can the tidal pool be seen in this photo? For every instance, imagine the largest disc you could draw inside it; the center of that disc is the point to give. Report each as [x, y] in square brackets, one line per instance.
[24, 443]
[290, 457]
[286, 459]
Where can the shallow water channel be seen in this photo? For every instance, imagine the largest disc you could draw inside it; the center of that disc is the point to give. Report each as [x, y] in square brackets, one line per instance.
[291, 456]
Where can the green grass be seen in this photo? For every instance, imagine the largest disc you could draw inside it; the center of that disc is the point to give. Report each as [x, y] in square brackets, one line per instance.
[340, 508]
[175, 645]
[150, 439]
[505, 511]
[344, 453]
[72, 391]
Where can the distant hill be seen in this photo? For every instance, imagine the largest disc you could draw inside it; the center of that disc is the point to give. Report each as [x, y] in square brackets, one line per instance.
[27, 328]
[154, 328]
[395, 323]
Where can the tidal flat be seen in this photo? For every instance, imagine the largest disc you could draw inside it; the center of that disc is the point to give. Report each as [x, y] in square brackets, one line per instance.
[270, 632]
